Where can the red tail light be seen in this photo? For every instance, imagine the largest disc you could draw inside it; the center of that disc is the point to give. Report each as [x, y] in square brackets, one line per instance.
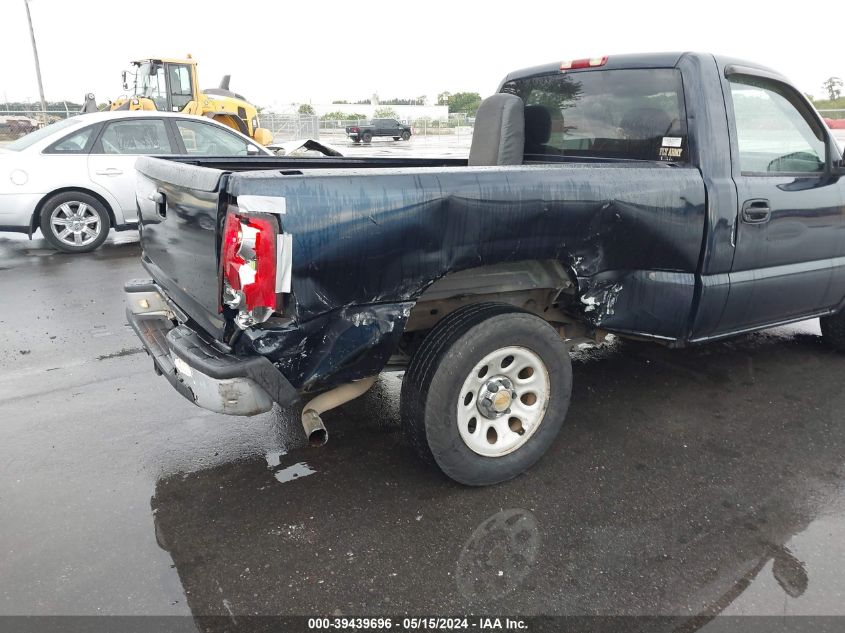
[248, 264]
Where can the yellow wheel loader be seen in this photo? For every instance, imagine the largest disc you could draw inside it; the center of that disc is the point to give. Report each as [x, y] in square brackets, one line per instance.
[171, 85]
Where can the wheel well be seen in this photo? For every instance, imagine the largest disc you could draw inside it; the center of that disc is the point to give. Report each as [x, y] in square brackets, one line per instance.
[538, 286]
[34, 221]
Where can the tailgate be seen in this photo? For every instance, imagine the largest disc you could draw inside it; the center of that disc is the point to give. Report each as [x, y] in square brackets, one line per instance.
[178, 218]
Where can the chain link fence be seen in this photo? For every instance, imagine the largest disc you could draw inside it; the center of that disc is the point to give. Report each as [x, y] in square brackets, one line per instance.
[287, 127]
[17, 123]
[290, 126]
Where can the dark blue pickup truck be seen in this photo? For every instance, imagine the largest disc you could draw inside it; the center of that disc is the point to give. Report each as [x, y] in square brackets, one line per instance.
[679, 198]
[379, 127]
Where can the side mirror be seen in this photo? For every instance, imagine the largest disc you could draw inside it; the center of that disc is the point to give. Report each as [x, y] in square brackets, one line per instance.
[252, 150]
[834, 147]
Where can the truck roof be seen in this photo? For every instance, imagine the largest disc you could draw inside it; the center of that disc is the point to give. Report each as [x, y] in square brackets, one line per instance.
[638, 60]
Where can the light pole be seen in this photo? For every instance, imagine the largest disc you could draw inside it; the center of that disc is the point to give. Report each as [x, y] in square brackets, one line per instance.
[37, 65]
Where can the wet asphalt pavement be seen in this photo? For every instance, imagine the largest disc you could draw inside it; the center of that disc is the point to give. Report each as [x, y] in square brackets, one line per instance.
[687, 482]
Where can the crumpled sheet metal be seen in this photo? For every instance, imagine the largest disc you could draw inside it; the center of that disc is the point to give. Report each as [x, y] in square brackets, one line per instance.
[631, 234]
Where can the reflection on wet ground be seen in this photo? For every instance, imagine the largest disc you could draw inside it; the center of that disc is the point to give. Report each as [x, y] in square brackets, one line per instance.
[687, 483]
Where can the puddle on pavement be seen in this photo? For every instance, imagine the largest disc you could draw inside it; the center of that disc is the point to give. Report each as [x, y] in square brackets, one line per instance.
[719, 497]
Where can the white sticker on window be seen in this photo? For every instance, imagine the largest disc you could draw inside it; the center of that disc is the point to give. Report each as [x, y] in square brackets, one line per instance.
[672, 141]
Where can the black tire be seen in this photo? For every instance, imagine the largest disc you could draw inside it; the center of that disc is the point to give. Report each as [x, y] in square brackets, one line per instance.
[833, 331]
[355, 139]
[68, 204]
[395, 138]
[367, 137]
[431, 389]
[406, 135]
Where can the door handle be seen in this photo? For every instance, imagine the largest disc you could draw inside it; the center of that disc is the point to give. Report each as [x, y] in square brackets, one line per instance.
[110, 171]
[756, 211]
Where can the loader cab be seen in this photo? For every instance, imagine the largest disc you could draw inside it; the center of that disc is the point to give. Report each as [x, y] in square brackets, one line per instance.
[169, 84]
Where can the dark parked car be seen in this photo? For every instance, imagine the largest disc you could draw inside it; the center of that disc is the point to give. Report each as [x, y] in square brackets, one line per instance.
[679, 198]
[379, 127]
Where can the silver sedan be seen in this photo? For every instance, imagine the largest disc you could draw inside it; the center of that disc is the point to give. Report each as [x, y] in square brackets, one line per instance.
[75, 179]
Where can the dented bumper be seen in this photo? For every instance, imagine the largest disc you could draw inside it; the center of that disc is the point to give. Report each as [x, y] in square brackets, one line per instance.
[205, 374]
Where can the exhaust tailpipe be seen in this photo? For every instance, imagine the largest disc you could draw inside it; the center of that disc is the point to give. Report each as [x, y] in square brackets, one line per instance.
[312, 423]
[314, 428]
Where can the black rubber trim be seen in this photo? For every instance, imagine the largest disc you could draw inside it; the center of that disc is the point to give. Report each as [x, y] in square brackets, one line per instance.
[140, 285]
[152, 330]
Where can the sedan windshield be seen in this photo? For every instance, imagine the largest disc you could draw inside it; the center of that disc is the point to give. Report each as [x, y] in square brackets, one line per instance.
[42, 133]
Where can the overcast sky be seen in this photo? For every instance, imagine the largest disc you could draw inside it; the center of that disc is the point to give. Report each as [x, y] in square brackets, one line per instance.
[284, 52]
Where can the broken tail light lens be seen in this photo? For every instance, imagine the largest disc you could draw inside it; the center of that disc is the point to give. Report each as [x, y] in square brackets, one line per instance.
[249, 266]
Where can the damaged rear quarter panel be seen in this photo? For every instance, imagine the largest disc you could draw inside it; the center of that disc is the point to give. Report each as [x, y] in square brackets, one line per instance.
[631, 232]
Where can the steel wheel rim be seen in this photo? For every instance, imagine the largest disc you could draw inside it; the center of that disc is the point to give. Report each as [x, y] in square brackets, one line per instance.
[75, 223]
[492, 423]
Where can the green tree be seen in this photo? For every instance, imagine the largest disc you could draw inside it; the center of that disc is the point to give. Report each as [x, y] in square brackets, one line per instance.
[385, 113]
[306, 108]
[343, 116]
[833, 87]
[467, 102]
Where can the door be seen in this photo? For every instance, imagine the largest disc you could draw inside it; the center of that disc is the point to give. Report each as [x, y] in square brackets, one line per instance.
[179, 82]
[788, 233]
[111, 163]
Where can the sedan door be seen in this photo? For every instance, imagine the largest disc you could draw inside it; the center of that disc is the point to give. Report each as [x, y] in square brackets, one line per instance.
[111, 163]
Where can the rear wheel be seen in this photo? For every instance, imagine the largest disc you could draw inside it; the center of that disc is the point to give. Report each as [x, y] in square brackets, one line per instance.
[395, 138]
[833, 331]
[367, 137]
[355, 139]
[486, 393]
[74, 222]
[406, 135]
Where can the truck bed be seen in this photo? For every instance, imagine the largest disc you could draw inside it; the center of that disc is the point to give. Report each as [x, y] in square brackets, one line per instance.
[372, 234]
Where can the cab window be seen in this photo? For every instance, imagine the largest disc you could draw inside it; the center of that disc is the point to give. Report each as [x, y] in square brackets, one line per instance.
[146, 136]
[631, 114]
[773, 135]
[210, 140]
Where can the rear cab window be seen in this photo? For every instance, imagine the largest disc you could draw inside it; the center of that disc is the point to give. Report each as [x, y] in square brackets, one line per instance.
[628, 114]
